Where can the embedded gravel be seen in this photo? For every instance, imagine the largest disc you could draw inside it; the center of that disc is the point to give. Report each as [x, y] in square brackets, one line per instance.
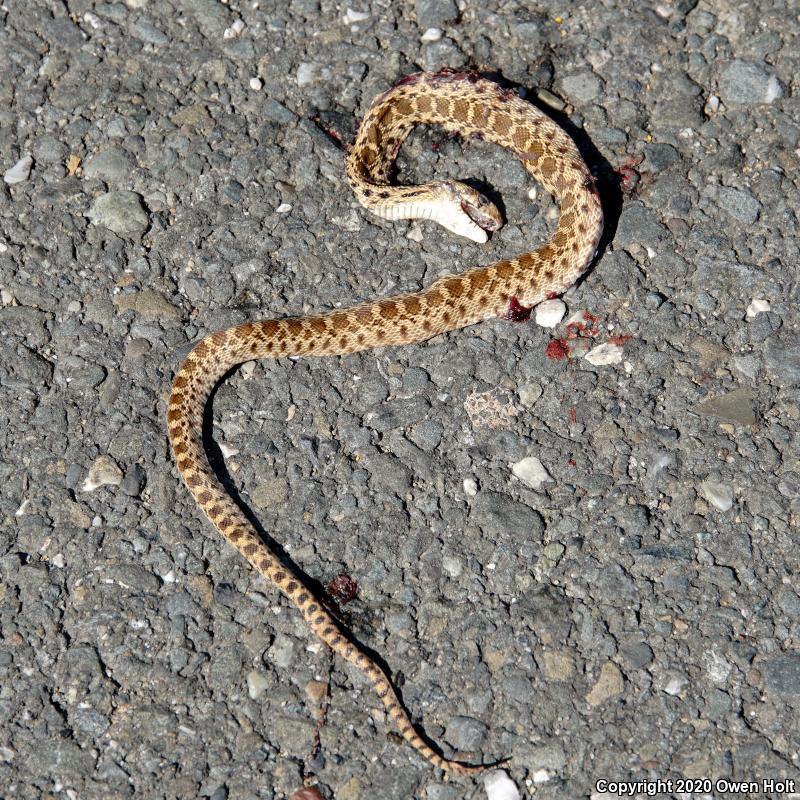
[622, 605]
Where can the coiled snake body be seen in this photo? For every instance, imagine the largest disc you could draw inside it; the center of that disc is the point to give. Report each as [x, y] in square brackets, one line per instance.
[465, 104]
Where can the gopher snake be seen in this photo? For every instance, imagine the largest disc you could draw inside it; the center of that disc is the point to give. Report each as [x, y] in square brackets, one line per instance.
[462, 103]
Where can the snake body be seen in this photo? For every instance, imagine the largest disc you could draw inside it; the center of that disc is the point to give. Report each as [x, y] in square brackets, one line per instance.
[462, 103]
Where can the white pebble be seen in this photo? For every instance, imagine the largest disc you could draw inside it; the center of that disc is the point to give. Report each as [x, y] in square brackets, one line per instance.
[414, 232]
[675, 685]
[532, 193]
[354, 16]
[756, 307]
[717, 494]
[283, 208]
[712, 104]
[235, 29]
[531, 472]
[93, 20]
[432, 35]
[773, 89]
[541, 776]
[470, 487]
[500, 787]
[103, 472]
[550, 312]
[604, 354]
[227, 451]
[255, 84]
[257, 684]
[306, 73]
[19, 172]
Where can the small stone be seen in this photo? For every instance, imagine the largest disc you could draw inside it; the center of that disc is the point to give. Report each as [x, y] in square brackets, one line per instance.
[745, 82]
[541, 776]
[49, 150]
[782, 675]
[674, 686]
[466, 733]
[148, 303]
[609, 684]
[308, 73]
[282, 651]
[741, 205]
[529, 394]
[550, 312]
[316, 691]
[557, 665]
[234, 30]
[113, 165]
[531, 472]
[435, 13]
[500, 787]
[255, 84]
[551, 100]
[19, 172]
[257, 684]
[351, 16]
[500, 515]
[441, 54]
[103, 472]
[452, 566]
[120, 212]
[134, 480]
[736, 406]
[756, 307]
[604, 354]
[782, 358]
[432, 35]
[270, 492]
[717, 494]
[194, 117]
[659, 155]
[470, 487]
[582, 87]
[283, 208]
[147, 32]
[637, 654]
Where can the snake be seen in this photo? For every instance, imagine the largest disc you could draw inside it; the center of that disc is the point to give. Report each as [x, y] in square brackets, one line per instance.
[462, 103]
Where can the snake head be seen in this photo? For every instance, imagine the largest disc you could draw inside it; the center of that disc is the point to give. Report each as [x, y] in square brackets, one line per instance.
[466, 212]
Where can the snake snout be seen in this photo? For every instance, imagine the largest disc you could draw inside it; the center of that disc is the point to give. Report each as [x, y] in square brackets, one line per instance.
[483, 213]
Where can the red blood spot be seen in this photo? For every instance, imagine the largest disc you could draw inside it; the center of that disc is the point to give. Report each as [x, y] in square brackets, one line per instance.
[552, 295]
[309, 793]
[516, 312]
[572, 462]
[408, 80]
[628, 176]
[342, 589]
[573, 414]
[620, 339]
[590, 317]
[557, 350]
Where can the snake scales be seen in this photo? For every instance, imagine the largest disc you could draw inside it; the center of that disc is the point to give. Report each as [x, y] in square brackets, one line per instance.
[462, 103]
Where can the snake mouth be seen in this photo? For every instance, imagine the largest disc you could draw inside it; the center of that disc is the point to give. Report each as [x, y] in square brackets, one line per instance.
[481, 218]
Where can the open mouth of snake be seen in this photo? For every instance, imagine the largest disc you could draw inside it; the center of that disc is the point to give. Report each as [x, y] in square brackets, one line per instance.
[480, 218]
